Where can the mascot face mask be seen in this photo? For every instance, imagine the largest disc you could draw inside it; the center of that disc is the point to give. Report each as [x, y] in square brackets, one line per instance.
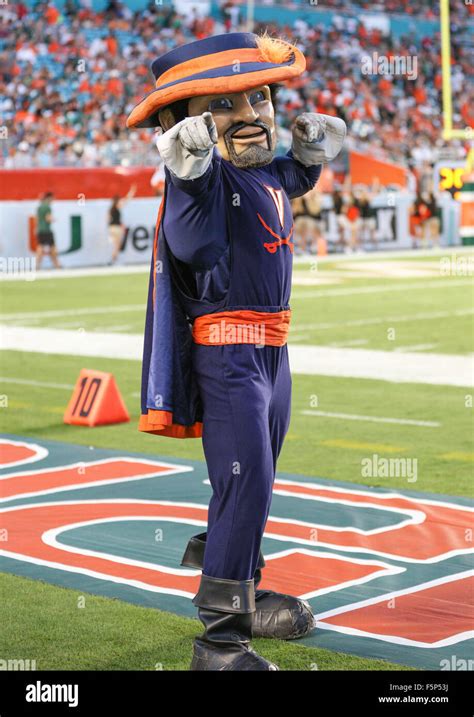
[245, 123]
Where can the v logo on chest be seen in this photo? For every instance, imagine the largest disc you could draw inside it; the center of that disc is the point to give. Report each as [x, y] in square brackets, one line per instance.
[277, 196]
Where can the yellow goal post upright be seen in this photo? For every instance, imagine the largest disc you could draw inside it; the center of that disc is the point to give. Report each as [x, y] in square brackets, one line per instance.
[448, 131]
[466, 194]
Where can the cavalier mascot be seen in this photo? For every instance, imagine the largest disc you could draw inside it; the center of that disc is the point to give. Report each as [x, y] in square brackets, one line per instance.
[215, 361]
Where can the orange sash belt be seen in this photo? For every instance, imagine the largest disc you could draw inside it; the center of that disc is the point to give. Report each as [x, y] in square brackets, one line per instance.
[242, 327]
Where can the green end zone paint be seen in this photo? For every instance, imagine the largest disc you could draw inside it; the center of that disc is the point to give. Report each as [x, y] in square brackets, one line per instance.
[388, 573]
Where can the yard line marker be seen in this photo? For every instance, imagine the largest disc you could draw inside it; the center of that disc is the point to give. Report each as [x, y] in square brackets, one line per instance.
[415, 347]
[311, 360]
[374, 419]
[360, 446]
[29, 382]
[445, 283]
[77, 272]
[386, 254]
[72, 312]
[123, 329]
[458, 456]
[424, 368]
[348, 344]
[386, 319]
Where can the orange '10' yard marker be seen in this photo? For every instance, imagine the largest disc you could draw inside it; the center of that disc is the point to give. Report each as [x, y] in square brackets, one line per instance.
[96, 400]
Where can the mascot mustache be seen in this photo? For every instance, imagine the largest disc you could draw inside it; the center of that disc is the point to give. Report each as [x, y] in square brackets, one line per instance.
[255, 155]
[258, 124]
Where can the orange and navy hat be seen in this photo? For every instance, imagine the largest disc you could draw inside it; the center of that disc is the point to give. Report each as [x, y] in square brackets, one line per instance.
[233, 62]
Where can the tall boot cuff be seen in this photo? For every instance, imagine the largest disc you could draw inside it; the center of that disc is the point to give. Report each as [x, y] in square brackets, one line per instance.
[231, 596]
[194, 554]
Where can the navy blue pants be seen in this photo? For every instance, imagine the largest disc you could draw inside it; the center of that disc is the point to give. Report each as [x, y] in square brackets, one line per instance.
[246, 395]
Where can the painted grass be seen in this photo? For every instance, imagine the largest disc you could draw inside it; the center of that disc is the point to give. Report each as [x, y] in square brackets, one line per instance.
[421, 311]
[317, 446]
[45, 623]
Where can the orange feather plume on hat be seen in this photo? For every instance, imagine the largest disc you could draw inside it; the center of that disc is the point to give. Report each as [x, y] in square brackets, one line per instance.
[273, 49]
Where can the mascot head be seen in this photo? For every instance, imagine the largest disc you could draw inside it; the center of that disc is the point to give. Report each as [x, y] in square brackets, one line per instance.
[233, 76]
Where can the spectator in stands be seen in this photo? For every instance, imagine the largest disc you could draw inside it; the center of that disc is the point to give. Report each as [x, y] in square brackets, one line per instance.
[70, 75]
[231, 16]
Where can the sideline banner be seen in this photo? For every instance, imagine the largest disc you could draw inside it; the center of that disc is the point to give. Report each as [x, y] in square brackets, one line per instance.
[80, 231]
[82, 198]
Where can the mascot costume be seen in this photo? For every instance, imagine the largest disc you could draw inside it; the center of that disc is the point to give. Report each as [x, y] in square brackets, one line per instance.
[215, 362]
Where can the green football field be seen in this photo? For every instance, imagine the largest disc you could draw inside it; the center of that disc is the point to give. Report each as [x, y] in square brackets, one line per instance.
[405, 305]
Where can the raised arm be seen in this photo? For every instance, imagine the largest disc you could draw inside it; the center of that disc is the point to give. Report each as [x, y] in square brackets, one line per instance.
[131, 193]
[295, 178]
[317, 140]
[186, 150]
[195, 217]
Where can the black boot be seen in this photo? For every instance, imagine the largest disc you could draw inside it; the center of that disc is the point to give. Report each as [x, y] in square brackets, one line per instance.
[276, 615]
[225, 610]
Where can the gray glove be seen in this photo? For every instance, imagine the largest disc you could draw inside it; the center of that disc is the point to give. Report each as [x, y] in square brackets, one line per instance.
[317, 139]
[186, 148]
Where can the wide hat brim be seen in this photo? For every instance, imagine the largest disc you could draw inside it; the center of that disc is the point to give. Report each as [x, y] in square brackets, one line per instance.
[231, 70]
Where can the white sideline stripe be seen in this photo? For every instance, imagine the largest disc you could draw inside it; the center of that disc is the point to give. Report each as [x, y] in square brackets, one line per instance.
[329, 277]
[379, 255]
[427, 315]
[71, 343]
[73, 312]
[374, 419]
[347, 344]
[339, 276]
[439, 369]
[396, 269]
[119, 309]
[446, 283]
[364, 257]
[415, 347]
[348, 291]
[77, 272]
[43, 384]
[387, 255]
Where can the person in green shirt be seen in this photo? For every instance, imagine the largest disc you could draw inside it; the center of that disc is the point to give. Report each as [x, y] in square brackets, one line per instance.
[45, 237]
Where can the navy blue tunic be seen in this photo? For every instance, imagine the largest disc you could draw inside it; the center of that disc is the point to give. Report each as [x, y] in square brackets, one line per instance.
[227, 226]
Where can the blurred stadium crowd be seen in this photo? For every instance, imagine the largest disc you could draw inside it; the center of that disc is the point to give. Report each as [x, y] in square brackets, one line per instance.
[426, 9]
[69, 79]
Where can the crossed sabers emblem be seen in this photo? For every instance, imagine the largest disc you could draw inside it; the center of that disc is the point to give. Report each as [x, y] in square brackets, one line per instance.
[277, 196]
